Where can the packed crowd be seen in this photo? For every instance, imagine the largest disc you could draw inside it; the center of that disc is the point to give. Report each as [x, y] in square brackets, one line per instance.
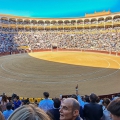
[74, 107]
[92, 39]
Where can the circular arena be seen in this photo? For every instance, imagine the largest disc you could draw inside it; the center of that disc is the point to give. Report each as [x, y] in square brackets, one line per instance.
[59, 59]
[30, 74]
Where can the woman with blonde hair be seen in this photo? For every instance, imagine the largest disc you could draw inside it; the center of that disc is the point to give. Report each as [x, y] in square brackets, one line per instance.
[29, 112]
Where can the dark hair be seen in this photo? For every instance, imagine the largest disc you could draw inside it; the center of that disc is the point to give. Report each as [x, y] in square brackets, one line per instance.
[4, 98]
[106, 101]
[97, 99]
[14, 95]
[114, 107]
[57, 102]
[118, 94]
[87, 98]
[46, 94]
[24, 102]
[74, 96]
[93, 98]
[9, 106]
[17, 97]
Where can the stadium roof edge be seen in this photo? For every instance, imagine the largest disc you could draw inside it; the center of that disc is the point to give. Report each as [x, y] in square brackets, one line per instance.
[70, 18]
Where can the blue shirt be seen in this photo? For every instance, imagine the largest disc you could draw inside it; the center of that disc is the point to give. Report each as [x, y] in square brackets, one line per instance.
[46, 104]
[17, 104]
[7, 113]
[81, 102]
[106, 114]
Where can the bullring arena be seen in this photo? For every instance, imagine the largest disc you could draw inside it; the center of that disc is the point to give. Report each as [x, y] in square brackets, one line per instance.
[59, 72]
[55, 55]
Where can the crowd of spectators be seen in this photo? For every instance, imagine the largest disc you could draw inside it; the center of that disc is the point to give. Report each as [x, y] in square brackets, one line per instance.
[91, 39]
[72, 107]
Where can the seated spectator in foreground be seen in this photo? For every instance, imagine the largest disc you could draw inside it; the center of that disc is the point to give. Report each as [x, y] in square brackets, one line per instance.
[69, 109]
[8, 112]
[54, 113]
[17, 102]
[93, 111]
[28, 112]
[46, 104]
[114, 108]
[106, 113]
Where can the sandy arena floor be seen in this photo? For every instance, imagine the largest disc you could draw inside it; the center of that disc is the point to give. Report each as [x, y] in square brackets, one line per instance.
[29, 75]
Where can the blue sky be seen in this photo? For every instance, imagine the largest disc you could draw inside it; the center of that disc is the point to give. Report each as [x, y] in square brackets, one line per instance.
[56, 8]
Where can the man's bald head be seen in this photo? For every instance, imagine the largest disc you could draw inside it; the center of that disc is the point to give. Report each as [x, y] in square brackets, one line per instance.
[74, 103]
[69, 109]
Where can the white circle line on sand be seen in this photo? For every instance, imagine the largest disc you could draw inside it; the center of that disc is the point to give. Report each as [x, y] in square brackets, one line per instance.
[58, 82]
[9, 71]
[66, 81]
[27, 75]
[105, 75]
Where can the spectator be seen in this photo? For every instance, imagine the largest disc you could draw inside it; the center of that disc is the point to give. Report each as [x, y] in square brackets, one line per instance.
[4, 101]
[36, 102]
[81, 102]
[117, 96]
[93, 111]
[13, 96]
[114, 108]
[69, 109]
[17, 102]
[113, 96]
[8, 112]
[28, 112]
[23, 102]
[46, 104]
[86, 39]
[54, 113]
[106, 113]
